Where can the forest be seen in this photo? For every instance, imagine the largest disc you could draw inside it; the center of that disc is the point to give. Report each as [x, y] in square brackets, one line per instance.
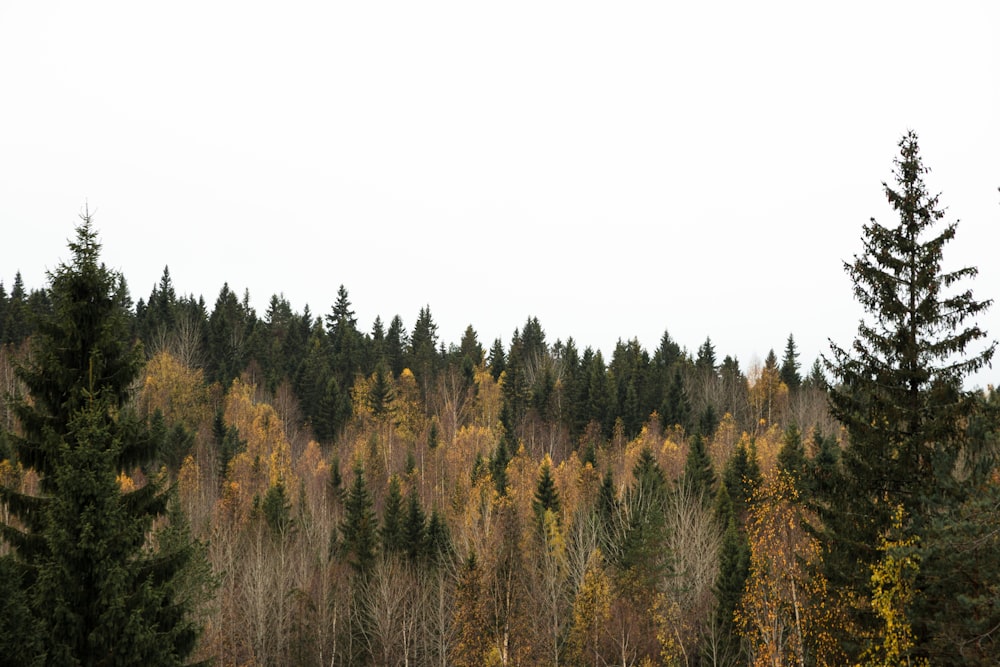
[183, 483]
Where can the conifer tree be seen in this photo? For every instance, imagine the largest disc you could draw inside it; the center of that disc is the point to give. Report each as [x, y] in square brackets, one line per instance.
[469, 648]
[498, 360]
[898, 388]
[415, 532]
[698, 474]
[676, 410]
[790, 365]
[95, 591]
[792, 455]
[396, 341]
[359, 527]
[391, 531]
[546, 495]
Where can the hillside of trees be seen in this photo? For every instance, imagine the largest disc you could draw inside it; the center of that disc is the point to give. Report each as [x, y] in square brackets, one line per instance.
[293, 488]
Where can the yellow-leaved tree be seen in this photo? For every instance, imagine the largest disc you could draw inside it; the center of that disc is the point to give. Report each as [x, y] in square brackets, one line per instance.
[784, 614]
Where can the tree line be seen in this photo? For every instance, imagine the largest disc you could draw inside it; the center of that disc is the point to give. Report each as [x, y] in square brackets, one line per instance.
[291, 489]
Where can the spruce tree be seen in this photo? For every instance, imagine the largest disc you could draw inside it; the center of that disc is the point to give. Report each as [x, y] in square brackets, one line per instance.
[698, 474]
[414, 530]
[359, 527]
[95, 590]
[546, 494]
[391, 531]
[790, 365]
[898, 388]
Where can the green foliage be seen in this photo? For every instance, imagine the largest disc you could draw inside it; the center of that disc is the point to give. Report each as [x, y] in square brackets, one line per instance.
[546, 495]
[380, 394]
[359, 527]
[792, 455]
[95, 593]
[957, 608]
[414, 533]
[391, 531]
[676, 409]
[277, 509]
[640, 555]
[789, 372]
[898, 388]
[699, 476]
[742, 478]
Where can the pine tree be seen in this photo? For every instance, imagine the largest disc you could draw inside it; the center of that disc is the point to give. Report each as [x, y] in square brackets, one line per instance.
[396, 341]
[792, 455]
[423, 349]
[698, 474]
[415, 532]
[498, 360]
[790, 365]
[898, 388]
[359, 527]
[96, 592]
[742, 477]
[344, 338]
[380, 394]
[391, 531]
[546, 494]
[470, 617]
[676, 410]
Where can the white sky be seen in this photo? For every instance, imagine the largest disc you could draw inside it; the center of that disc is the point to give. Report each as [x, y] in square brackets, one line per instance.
[612, 168]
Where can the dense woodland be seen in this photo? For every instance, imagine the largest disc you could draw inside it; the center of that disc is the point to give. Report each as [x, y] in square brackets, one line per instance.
[182, 482]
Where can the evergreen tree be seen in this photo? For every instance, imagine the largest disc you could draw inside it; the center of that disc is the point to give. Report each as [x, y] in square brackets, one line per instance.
[470, 616]
[741, 478]
[95, 591]
[792, 455]
[391, 531]
[359, 527]
[423, 349]
[514, 387]
[396, 342]
[546, 495]
[698, 474]
[380, 393]
[641, 558]
[415, 531]
[230, 328]
[16, 320]
[705, 361]
[498, 360]
[344, 339]
[277, 509]
[498, 466]
[898, 388]
[676, 410]
[790, 365]
[708, 421]
[438, 545]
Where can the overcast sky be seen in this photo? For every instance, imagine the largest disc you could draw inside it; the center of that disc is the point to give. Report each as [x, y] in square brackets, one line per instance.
[615, 169]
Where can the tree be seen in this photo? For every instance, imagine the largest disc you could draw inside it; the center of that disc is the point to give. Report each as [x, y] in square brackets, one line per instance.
[676, 408]
[699, 476]
[230, 328]
[591, 613]
[391, 531]
[97, 592]
[898, 388]
[470, 616]
[345, 339]
[359, 527]
[546, 494]
[790, 365]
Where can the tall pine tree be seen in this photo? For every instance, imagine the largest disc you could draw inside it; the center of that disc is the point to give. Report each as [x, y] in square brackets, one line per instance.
[95, 590]
[898, 388]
